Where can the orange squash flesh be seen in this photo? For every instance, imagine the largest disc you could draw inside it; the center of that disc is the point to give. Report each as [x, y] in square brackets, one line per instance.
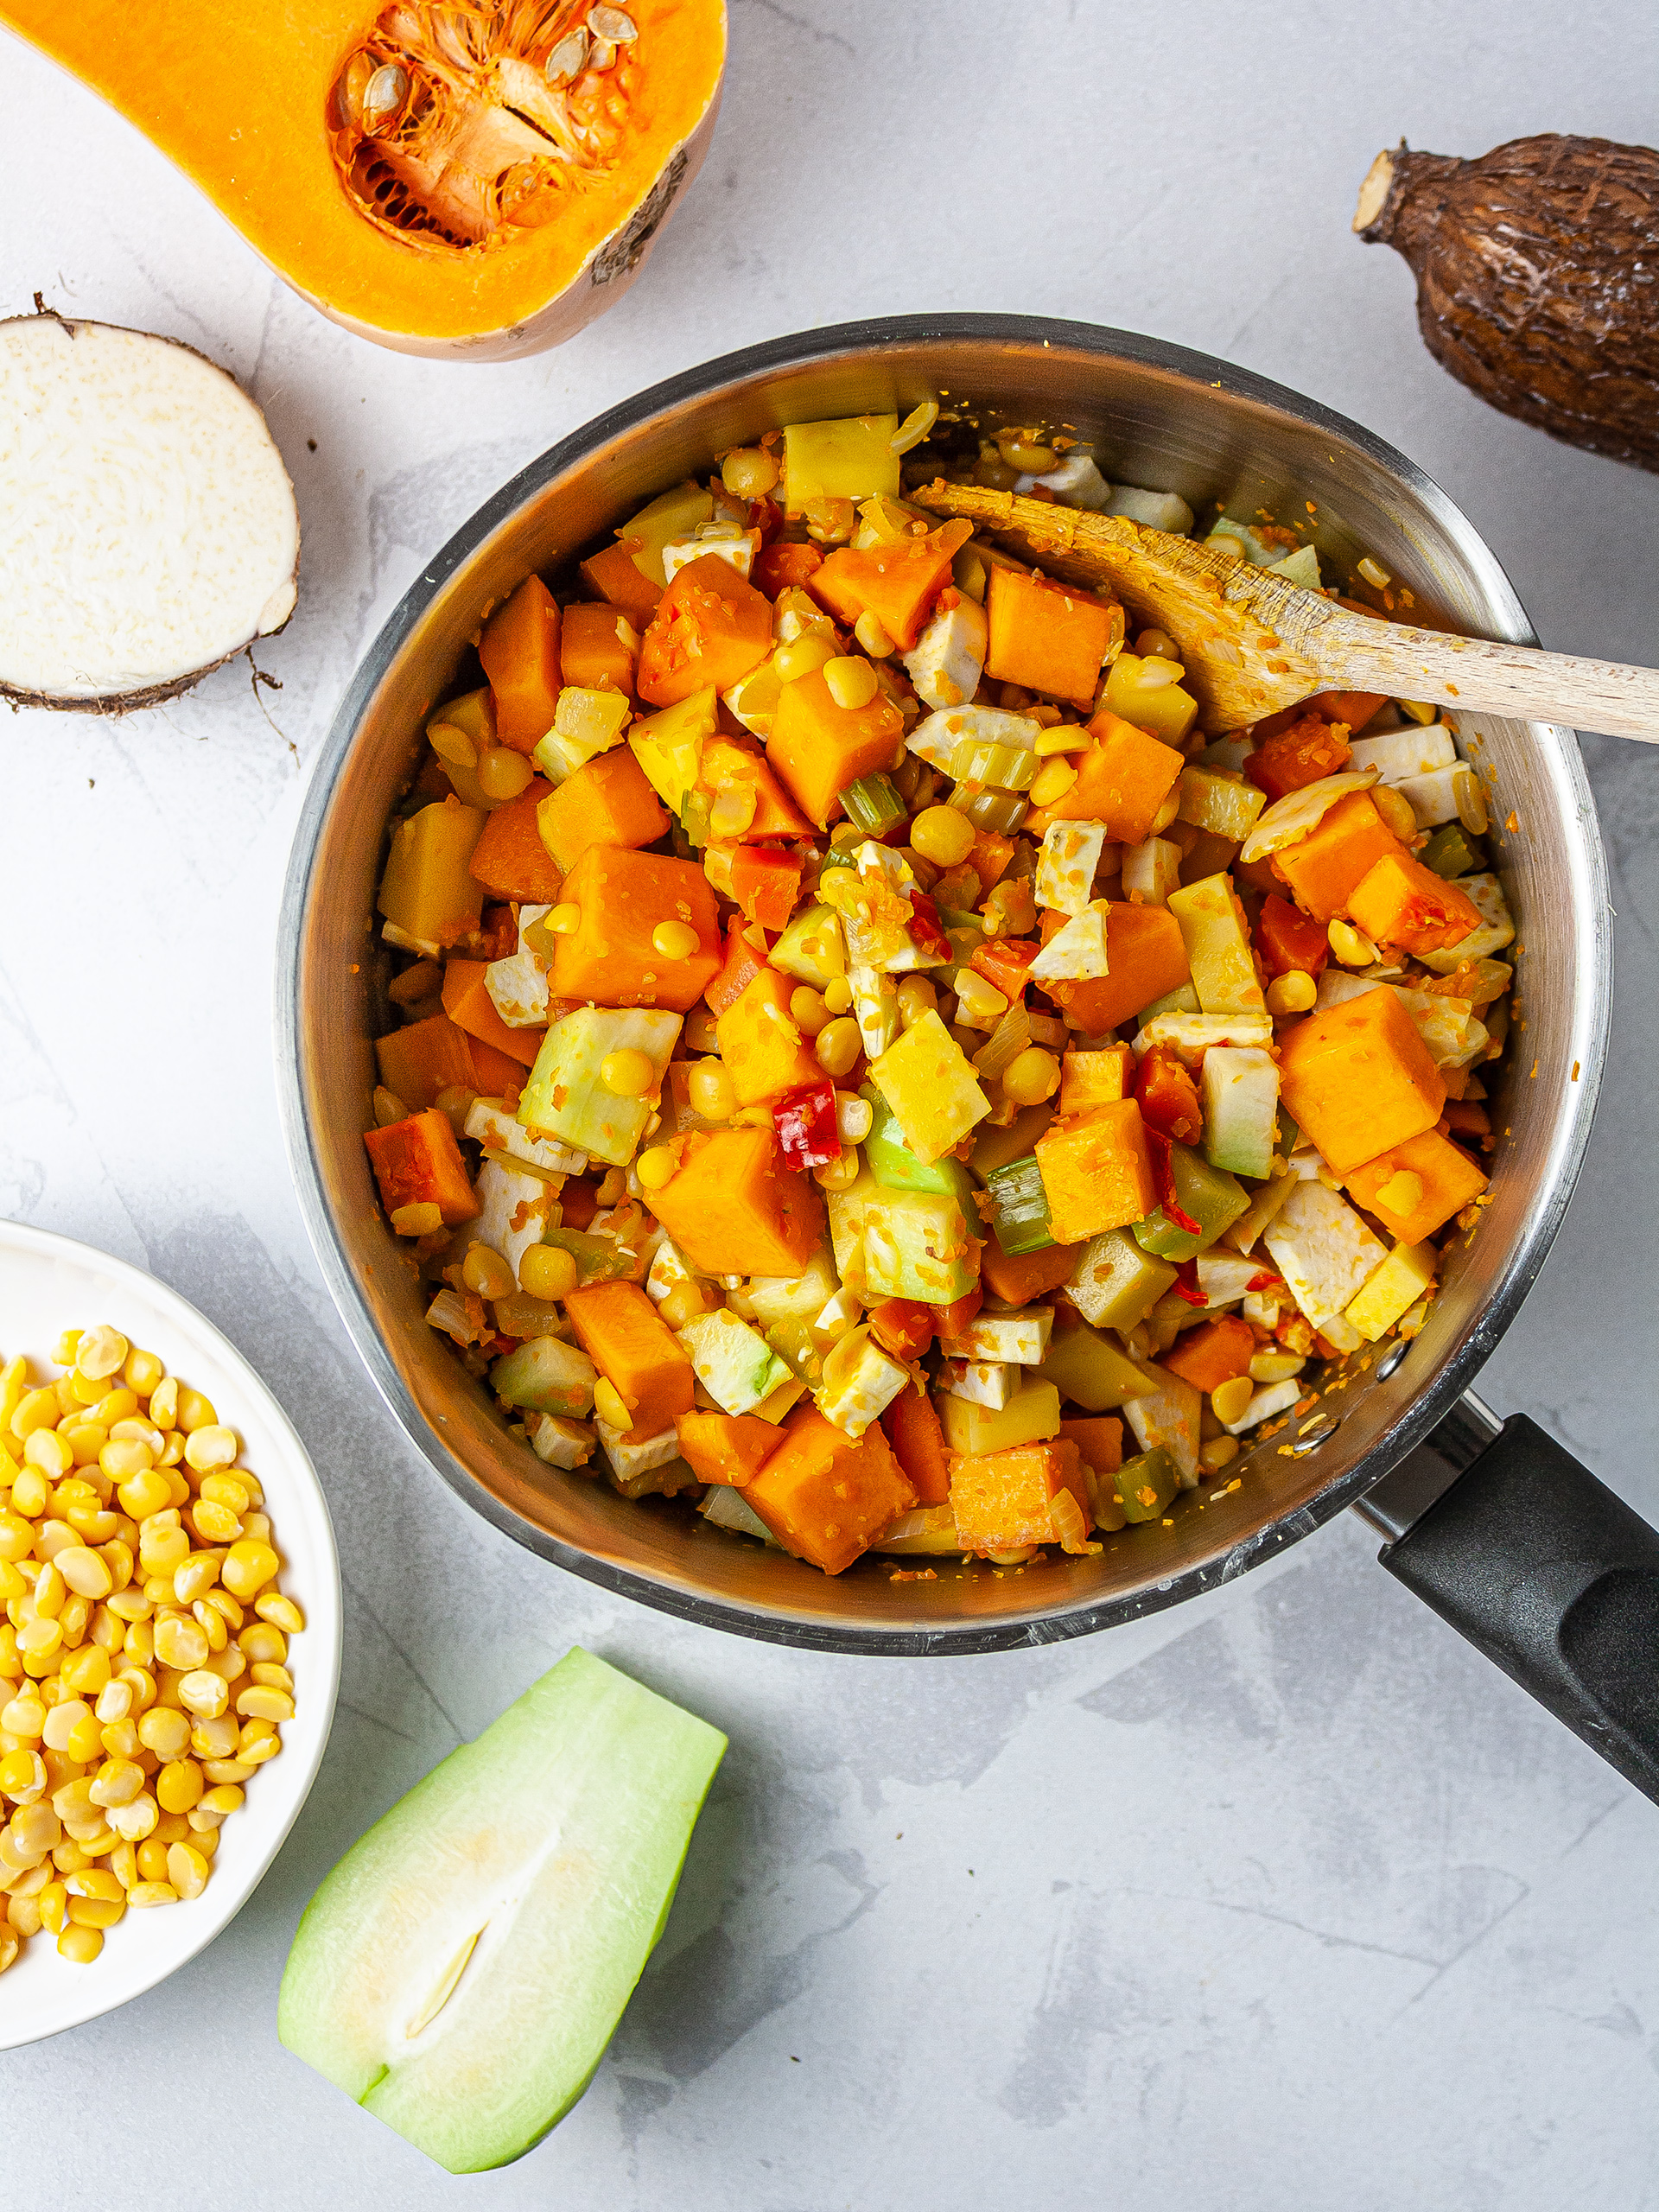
[818, 749]
[607, 802]
[1122, 782]
[765, 1053]
[1149, 960]
[1337, 853]
[622, 896]
[509, 860]
[727, 1449]
[1416, 1187]
[1004, 1499]
[895, 583]
[1051, 638]
[912, 1429]
[1216, 1352]
[636, 1351]
[469, 1006]
[733, 1208]
[244, 98]
[595, 652]
[1096, 1171]
[711, 627]
[621, 583]
[826, 1496]
[417, 1162]
[520, 652]
[1358, 1078]
[1018, 1277]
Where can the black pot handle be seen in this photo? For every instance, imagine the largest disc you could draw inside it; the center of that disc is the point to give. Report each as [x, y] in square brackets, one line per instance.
[1541, 1567]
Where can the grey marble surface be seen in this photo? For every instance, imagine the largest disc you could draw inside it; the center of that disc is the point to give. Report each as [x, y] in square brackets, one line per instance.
[1285, 1898]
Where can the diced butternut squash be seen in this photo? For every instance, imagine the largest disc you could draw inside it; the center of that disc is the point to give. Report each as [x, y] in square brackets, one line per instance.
[989, 859]
[1018, 1277]
[710, 627]
[520, 652]
[765, 1053]
[896, 583]
[826, 1496]
[726, 1448]
[416, 1062]
[1003, 1500]
[470, 1007]
[783, 564]
[1323, 867]
[729, 766]
[618, 579]
[417, 1162]
[1149, 960]
[1051, 638]
[1123, 782]
[1309, 748]
[511, 859]
[765, 883]
[1415, 1187]
[735, 1209]
[1216, 1352]
[607, 802]
[1098, 1078]
[818, 749]
[1400, 902]
[1357, 1078]
[636, 1351]
[740, 963]
[1286, 938]
[427, 891]
[598, 647]
[918, 1442]
[609, 957]
[1099, 1440]
[1096, 1171]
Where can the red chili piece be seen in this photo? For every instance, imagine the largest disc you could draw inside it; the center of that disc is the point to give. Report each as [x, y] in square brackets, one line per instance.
[805, 1123]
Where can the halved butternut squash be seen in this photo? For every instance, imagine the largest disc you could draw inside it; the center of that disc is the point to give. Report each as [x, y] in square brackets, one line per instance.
[466, 179]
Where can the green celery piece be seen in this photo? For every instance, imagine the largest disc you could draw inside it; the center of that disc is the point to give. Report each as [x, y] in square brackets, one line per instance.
[1209, 1195]
[599, 1259]
[1146, 1484]
[873, 804]
[896, 1168]
[1451, 851]
[1021, 1223]
[1090, 1369]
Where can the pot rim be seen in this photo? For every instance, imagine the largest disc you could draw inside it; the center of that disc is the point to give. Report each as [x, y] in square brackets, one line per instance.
[1430, 1402]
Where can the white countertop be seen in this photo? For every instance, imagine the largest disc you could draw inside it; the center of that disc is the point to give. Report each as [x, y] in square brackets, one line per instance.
[1284, 1898]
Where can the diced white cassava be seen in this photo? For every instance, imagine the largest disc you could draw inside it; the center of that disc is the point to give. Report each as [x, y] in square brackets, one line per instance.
[1076, 951]
[488, 1122]
[1390, 1289]
[1323, 1250]
[860, 1383]
[1165, 510]
[948, 659]
[983, 1382]
[1151, 871]
[560, 1442]
[1496, 929]
[1021, 1337]
[630, 1455]
[937, 736]
[1218, 944]
[1272, 1398]
[150, 525]
[1400, 753]
[1189, 1036]
[1238, 1089]
[517, 985]
[514, 1207]
[1077, 483]
[1066, 863]
[725, 542]
[733, 1362]
[669, 1271]
[1225, 1277]
[1434, 798]
[1213, 798]
[1167, 1414]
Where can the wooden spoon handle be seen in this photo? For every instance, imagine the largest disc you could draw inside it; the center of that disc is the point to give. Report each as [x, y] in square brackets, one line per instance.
[1484, 675]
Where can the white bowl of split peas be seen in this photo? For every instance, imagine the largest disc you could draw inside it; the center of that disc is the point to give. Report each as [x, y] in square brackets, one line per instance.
[142, 1802]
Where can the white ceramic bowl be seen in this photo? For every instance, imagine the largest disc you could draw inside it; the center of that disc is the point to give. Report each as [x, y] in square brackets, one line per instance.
[48, 1284]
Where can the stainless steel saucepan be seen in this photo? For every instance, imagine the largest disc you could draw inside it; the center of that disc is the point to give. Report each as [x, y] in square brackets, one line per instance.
[1494, 1525]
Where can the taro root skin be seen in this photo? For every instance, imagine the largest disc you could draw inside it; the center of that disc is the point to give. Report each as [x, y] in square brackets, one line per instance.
[1537, 272]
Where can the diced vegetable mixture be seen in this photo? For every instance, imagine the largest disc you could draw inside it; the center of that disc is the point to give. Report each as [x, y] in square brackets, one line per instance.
[859, 1049]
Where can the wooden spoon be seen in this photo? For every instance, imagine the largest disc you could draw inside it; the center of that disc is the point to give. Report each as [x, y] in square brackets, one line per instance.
[1253, 643]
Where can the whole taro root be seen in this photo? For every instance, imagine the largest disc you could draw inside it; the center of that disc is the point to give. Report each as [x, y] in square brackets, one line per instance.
[1537, 272]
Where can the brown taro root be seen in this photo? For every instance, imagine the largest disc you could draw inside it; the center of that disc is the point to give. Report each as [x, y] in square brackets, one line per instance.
[1537, 272]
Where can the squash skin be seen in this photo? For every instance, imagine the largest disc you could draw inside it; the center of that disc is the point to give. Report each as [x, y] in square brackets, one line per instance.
[208, 89]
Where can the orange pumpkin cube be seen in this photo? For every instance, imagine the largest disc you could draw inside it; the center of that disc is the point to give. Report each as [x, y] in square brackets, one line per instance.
[710, 627]
[764, 1052]
[727, 1449]
[1096, 1171]
[1358, 1078]
[597, 648]
[607, 802]
[470, 1007]
[510, 860]
[621, 583]
[1002, 1500]
[636, 1351]
[1049, 637]
[1414, 1188]
[818, 749]
[1399, 901]
[1099, 1440]
[1147, 955]
[735, 1209]
[609, 957]
[1122, 782]
[896, 583]
[1098, 1078]
[418, 1061]
[826, 1496]
[1216, 1352]
[1018, 1277]
[912, 1429]
[1323, 867]
[728, 766]
[417, 1162]
[520, 652]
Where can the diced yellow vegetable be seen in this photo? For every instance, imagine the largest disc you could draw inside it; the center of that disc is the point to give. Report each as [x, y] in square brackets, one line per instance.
[1222, 804]
[426, 891]
[1030, 1416]
[1396, 1285]
[1218, 944]
[584, 724]
[848, 459]
[928, 1082]
[669, 747]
